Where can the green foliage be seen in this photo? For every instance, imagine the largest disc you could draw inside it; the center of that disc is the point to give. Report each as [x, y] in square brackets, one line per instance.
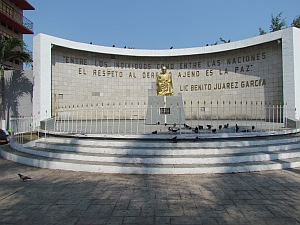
[262, 32]
[296, 22]
[277, 23]
[11, 49]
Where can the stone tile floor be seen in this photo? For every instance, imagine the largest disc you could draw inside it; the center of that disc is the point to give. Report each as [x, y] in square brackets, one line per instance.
[64, 197]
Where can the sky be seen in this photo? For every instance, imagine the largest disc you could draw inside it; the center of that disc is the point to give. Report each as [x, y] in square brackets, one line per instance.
[155, 24]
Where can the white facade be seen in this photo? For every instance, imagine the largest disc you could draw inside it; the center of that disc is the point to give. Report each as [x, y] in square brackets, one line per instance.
[259, 69]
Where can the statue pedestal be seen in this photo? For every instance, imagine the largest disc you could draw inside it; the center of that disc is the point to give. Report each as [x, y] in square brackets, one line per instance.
[165, 110]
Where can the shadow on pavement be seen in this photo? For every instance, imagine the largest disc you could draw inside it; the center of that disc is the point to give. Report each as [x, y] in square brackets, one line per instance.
[64, 197]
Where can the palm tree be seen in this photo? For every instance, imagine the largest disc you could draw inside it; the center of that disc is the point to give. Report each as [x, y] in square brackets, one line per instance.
[11, 49]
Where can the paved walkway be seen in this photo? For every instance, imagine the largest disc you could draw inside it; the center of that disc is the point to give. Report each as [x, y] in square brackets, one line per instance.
[63, 197]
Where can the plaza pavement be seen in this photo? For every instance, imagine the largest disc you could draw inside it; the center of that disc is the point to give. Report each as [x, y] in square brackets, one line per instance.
[64, 197]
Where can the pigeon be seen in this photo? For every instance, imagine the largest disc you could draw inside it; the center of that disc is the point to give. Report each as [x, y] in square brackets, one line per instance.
[196, 139]
[214, 130]
[226, 125]
[236, 128]
[174, 129]
[209, 126]
[174, 139]
[23, 177]
[154, 132]
[245, 131]
[200, 127]
[187, 126]
[253, 127]
[196, 130]
[220, 126]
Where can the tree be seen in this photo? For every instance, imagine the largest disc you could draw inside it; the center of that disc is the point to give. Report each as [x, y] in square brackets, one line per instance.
[261, 31]
[277, 23]
[11, 49]
[296, 22]
[18, 85]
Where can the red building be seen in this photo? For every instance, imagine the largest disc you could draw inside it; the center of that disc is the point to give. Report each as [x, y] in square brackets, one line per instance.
[14, 24]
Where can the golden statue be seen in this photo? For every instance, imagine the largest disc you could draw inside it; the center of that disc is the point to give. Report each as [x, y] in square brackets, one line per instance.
[164, 83]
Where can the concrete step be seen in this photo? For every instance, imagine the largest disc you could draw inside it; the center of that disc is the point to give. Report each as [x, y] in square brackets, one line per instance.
[145, 168]
[169, 149]
[186, 156]
[168, 143]
[164, 159]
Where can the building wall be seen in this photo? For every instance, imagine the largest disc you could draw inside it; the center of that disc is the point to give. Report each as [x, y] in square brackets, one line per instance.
[257, 70]
[8, 31]
[296, 53]
[25, 102]
[18, 94]
[248, 74]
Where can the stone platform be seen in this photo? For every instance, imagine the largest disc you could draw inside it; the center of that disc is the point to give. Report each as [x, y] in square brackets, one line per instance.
[165, 110]
[159, 156]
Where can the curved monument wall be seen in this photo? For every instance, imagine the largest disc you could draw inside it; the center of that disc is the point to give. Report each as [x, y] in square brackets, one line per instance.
[252, 71]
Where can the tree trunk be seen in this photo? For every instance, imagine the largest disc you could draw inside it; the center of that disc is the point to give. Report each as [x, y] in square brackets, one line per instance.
[2, 93]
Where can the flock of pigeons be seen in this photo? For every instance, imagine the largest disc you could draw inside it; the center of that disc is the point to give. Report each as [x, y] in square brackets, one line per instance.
[196, 129]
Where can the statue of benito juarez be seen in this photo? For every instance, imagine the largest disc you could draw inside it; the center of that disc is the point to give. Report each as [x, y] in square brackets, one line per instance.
[164, 83]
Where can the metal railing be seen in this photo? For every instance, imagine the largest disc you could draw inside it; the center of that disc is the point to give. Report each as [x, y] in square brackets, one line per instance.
[209, 117]
[200, 119]
[23, 128]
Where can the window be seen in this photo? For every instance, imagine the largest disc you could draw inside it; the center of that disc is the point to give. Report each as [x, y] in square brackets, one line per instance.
[4, 7]
[5, 35]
